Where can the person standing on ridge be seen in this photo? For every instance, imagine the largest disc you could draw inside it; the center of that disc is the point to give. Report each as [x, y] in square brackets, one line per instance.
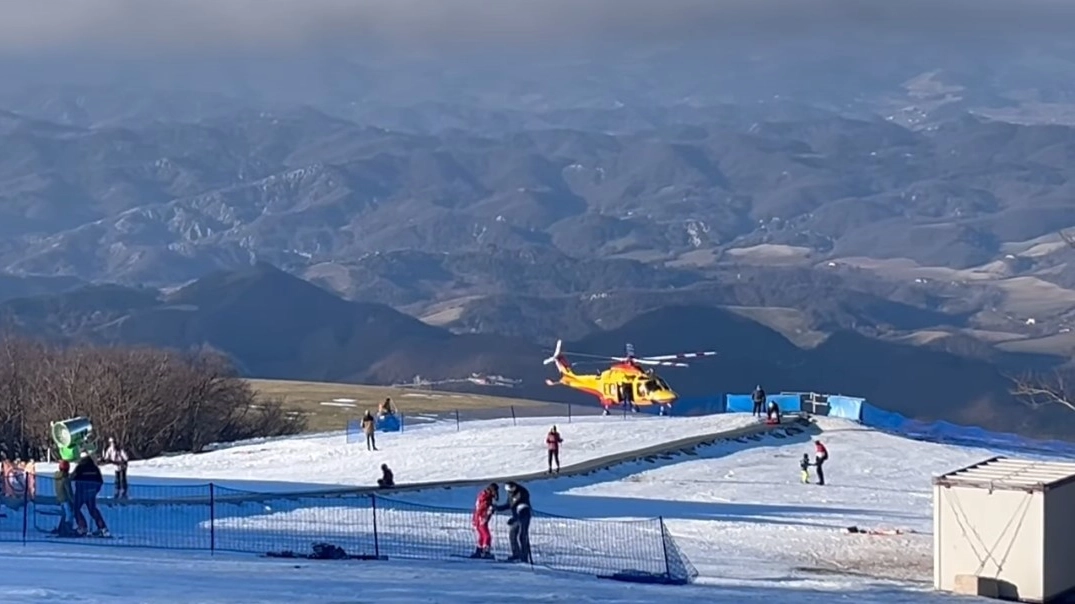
[820, 457]
[553, 440]
[369, 427]
[117, 456]
[519, 523]
[759, 401]
[484, 508]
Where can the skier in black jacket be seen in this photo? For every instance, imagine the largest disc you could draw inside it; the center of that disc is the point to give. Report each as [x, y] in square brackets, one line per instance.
[519, 533]
[87, 481]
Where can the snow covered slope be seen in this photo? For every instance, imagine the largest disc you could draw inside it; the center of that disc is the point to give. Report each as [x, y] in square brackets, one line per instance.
[96, 576]
[736, 509]
[434, 452]
[741, 515]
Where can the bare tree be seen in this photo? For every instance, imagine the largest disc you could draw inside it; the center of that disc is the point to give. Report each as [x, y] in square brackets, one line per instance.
[151, 399]
[1039, 390]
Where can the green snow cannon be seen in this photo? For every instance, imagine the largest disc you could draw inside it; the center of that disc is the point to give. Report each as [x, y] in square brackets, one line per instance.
[72, 437]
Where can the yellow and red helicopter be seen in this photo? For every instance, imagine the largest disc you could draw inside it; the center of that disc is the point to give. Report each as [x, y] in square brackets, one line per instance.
[628, 381]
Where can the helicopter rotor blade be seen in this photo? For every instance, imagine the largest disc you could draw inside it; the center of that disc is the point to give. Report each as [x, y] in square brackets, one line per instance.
[660, 363]
[649, 361]
[599, 357]
[682, 355]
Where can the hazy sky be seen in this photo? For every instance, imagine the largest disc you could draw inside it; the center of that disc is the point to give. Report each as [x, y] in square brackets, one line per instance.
[191, 25]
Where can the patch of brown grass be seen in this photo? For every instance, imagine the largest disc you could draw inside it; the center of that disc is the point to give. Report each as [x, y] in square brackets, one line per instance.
[307, 398]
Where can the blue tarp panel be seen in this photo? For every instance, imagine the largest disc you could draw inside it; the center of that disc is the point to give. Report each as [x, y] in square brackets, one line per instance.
[789, 403]
[847, 407]
[699, 405]
[879, 418]
[744, 403]
[389, 423]
[738, 403]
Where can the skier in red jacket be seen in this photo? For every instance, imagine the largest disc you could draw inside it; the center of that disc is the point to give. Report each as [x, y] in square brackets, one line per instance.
[821, 455]
[484, 508]
[552, 443]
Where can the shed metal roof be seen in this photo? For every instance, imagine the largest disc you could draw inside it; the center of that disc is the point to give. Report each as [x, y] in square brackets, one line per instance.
[1005, 473]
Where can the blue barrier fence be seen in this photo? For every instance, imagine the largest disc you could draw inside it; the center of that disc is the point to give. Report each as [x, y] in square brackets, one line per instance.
[859, 410]
[744, 403]
[213, 518]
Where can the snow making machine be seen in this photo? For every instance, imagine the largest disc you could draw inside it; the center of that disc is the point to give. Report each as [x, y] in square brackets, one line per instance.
[73, 437]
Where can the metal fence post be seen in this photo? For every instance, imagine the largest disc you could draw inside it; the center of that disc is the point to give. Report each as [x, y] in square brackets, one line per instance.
[514, 422]
[25, 511]
[376, 539]
[664, 550]
[569, 413]
[457, 420]
[212, 519]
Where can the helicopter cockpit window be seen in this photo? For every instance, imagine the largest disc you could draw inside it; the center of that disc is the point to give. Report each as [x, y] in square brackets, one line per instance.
[651, 385]
[658, 384]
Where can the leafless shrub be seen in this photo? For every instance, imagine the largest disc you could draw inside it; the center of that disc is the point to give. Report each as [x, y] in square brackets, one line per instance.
[152, 400]
[1045, 390]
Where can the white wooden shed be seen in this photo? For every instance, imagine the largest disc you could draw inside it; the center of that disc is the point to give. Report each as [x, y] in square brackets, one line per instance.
[1006, 528]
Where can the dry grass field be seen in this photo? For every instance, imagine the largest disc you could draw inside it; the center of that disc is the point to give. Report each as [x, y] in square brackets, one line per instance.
[328, 406]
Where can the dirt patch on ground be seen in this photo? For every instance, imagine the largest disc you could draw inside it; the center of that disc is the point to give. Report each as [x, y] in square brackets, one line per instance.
[328, 406]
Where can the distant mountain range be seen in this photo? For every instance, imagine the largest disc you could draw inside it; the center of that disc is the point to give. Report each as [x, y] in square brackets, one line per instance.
[882, 208]
[939, 235]
[274, 324]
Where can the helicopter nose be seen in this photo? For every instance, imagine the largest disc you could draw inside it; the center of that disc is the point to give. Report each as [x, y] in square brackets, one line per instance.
[665, 397]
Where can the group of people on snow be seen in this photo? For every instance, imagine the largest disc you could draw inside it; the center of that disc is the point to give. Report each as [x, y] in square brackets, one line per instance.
[772, 410]
[79, 488]
[821, 455]
[518, 503]
[369, 422]
[75, 488]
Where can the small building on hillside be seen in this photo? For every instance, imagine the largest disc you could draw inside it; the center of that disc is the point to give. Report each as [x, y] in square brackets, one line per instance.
[1005, 528]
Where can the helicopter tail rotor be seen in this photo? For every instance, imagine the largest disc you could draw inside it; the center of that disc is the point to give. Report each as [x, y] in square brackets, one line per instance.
[556, 354]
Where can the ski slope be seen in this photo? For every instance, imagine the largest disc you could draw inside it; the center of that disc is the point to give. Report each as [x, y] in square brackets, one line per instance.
[47, 574]
[480, 449]
[736, 509]
[741, 515]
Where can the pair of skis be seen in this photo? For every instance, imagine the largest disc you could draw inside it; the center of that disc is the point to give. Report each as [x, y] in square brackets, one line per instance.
[493, 559]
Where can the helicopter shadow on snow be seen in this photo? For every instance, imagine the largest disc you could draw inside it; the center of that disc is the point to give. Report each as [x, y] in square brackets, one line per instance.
[555, 497]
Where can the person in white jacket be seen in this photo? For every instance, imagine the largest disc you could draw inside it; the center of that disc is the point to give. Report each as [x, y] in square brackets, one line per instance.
[117, 456]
